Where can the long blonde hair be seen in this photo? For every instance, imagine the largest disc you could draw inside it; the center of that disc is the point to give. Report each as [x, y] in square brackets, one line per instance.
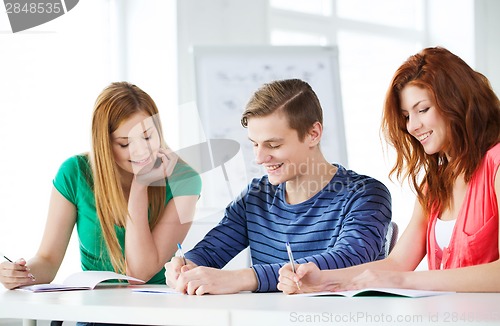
[116, 103]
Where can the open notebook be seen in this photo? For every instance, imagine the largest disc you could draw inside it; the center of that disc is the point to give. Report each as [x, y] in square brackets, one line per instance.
[376, 292]
[86, 280]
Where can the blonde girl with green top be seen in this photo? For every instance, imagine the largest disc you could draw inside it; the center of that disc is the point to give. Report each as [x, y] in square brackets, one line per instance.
[131, 198]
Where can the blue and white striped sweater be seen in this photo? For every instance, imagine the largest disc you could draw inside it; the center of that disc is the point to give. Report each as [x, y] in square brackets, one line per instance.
[344, 224]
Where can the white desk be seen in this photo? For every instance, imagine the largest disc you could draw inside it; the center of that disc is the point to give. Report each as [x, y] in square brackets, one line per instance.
[121, 305]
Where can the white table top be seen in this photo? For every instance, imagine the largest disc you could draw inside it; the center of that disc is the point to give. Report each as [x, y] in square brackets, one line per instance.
[119, 304]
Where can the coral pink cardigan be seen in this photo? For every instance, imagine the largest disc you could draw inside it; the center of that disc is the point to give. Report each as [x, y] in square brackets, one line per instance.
[474, 239]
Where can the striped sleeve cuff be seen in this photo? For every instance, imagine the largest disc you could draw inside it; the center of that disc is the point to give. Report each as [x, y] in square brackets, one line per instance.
[266, 277]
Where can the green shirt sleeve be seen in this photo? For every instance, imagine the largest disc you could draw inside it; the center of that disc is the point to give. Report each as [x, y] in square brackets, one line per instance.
[184, 181]
[72, 173]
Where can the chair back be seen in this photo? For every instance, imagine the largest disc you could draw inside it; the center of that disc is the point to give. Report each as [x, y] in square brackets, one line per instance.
[391, 238]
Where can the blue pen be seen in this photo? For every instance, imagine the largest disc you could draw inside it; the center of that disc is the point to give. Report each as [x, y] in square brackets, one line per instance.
[182, 254]
[290, 257]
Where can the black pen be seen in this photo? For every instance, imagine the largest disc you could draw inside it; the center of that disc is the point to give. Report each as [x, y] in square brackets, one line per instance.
[182, 254]
[10, 261]
[290, 257]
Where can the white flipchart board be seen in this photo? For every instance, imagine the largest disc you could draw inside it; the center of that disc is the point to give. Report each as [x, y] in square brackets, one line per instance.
[226, 78]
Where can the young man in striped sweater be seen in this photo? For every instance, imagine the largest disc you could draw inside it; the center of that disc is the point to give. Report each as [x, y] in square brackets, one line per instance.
[331, 216]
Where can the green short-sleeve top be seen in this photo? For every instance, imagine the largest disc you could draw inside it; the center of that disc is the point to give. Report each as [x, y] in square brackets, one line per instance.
[74, 181]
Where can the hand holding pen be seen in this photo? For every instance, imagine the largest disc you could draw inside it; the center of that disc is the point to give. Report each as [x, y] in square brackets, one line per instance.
[292, 262]
[14, 274]
[175, 267]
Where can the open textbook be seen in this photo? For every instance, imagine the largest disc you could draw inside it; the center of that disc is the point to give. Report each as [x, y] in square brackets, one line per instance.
[86, 280]
[376, 292]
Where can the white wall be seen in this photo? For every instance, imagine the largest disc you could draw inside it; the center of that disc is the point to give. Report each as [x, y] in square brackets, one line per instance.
[50, 77]
[215, 22]
[453, 31]
[487, 35]
[144, 39]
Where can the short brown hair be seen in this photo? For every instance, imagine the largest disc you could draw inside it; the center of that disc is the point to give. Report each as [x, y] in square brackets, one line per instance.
[294, 97]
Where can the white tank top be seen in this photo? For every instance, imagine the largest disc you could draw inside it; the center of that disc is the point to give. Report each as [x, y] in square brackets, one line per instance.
[444, 229]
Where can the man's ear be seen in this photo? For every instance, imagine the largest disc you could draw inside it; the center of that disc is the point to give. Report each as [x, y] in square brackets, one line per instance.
[314, 134]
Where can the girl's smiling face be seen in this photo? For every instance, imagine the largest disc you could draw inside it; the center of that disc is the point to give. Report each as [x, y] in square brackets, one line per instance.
[135, 143]
[423, 120]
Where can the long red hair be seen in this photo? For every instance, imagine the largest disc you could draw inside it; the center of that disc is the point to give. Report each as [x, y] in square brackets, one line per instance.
[467, 103]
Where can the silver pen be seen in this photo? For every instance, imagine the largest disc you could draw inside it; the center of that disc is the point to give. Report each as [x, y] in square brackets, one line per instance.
[290, 257]
[182, 254]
